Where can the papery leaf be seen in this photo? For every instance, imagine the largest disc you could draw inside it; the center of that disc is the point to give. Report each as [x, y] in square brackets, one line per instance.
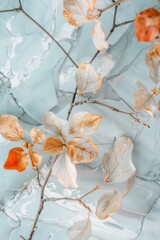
[147, 25]
[82, 150]
[17, 160]
[36, 158]
[37, 136]
[87, 79]
[153, 62]
[108, 204]
[80, 230]
[10, 128]
[117, 163]
[129, 185]
[98, 36]
[53, 146]
[84, 123]
[57, 126]
[77, 12]
[92, 5]
[143, 100]
[65, 171]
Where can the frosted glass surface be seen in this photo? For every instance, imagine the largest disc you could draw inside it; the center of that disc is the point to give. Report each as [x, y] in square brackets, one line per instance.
[35, 77]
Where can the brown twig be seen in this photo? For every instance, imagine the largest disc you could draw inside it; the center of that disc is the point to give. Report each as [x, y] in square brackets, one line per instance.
[131, 114]
[11, 10]
[36, 169]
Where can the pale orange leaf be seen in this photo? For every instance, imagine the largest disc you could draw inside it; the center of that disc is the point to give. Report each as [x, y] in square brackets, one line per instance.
[92, 5]
[10, 128]
[37, 136]
[65, 171]
[108, 204]
[36, 158]
[87, 79]
[84, 123]
[17, 160]
[143, 100]
[98, 36]
[80, 230]
[77, 12]
[153, 62]
[53, 146]
[82, 150]
[117, 162]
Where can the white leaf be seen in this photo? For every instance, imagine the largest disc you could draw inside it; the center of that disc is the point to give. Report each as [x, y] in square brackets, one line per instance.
[108, 204]
[65, 171]
[57, 126]
[143, 100]
[77, 12]
[99, 37]
[117, 162]
[87, 79]
[80, 230]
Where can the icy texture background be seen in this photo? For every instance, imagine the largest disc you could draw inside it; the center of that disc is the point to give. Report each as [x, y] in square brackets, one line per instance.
[36, 76]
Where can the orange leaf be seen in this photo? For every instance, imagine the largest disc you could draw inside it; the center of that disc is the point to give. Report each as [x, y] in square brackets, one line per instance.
[37, 135]
[108, 204]
[82, 150]
[147, 25]
[53, 146]
[87, 79]
[92, 4]
[10, 128]
[35, 157]
[17, 160]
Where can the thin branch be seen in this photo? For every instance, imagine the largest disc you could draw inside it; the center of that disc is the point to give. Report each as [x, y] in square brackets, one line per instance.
[11, 10]
[41, 205]
[114, 4]
[131, 114]
[38, 176]
[53, 39]
[88, 193]
[71, 105]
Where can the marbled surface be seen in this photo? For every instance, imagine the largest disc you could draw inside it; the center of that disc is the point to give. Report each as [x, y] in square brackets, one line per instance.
[36, 76]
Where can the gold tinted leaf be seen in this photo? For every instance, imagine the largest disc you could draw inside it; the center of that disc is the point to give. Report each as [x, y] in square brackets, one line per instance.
[37, 135]
[57, 126]
[108, 204]
[36, 158]
[77, 12]
[87, 79]
[117, 163]
[65, 171]
[92, 4]
[143, 100]
[10, 128]
[82, 150]
[98, 36]
[53, 146]
[153, 62]
[84, 123]
[80, 230]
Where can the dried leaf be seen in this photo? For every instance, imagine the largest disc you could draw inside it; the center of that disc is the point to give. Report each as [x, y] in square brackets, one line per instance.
[77, 12]
[65, 171]
[36, 158]
[17, 160]
[98, 36]
[53, 146]
[87, 79]
[80, 230]
[108, 204]
[82, 150]
[57, 126]
[117, 163]
[92, 5]
[84, 123]
[143, 100]
[37, 135]
[129, 185]
[153, 62]
[147, 25]
[10, 128]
